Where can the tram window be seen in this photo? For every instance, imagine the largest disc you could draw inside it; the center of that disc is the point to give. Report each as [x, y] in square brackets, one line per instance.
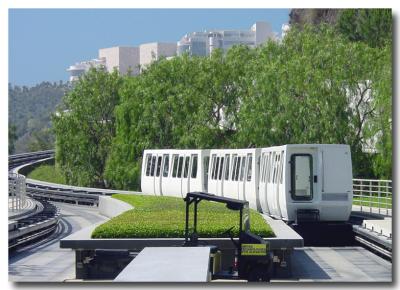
[216, 168]
[227, 157]
[301, 176]
[282, 168]
[213, 165]
[262, 167]
[206, 163]
[194, 166]
[242, 168]
[186, 168]
[271, 166]
[180, 165]
[148, 164]
[276, 169]
[221, 166]
[175, 159]
[158, 171]
[166, 165]
[236, 177]
[235, 159]
[153, 165]
[250, 164]
[266, 164]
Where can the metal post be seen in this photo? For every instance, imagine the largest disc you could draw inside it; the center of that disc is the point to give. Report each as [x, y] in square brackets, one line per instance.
[195, 214]
[240, 221]
[187, 221]
[361, 195]
[379, 197]
[370, 196]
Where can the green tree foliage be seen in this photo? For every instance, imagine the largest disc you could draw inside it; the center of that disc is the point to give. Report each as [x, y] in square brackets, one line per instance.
[41, 140]
[85, 128]
[372, 26]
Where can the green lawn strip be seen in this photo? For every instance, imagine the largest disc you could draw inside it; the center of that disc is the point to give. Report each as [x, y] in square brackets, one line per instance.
[164, 217]
[372, 201]
[47, 173]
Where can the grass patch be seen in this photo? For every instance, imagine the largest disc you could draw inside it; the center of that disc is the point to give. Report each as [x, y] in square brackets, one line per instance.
[373, 201]
[48, 173]
[164, 217]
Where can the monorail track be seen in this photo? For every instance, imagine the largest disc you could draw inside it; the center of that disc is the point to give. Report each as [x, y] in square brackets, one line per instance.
[35, 226]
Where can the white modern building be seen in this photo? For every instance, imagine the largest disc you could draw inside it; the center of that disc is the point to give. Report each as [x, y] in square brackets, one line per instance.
[203, 43]
[79, 68]
[153, 51]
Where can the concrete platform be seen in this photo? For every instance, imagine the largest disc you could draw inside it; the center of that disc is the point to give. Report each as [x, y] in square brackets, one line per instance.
[168, 264]
[285, 238]
[344, 264]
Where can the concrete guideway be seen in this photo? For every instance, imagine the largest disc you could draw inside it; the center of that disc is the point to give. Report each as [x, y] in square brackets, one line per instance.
[341, 264]
[382, 227]
[45, 261]
[375, 230]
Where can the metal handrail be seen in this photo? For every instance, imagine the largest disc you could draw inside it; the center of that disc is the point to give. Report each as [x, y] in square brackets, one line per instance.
[373, 195]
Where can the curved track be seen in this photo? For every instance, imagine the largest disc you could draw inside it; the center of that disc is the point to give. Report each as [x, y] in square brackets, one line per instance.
[44, 260]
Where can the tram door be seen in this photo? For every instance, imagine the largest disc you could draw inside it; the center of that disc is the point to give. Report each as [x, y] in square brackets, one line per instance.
[241, 182]
[164, 173]
[272, 193]
[158, 175]
[263, 182]
[185, 185]
[219, 176]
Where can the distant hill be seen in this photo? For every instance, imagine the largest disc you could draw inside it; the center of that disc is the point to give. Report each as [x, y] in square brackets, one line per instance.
[29, 110]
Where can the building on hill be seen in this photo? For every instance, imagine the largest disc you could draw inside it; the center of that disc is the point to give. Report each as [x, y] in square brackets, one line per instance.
[203, 43]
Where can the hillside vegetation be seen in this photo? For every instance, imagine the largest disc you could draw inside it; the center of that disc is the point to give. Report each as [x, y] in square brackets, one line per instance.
[29, 115]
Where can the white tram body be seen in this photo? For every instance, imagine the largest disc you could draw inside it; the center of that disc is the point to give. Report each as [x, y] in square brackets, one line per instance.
[173, 172]
[306, 177]
[233, 173]
[280, 181]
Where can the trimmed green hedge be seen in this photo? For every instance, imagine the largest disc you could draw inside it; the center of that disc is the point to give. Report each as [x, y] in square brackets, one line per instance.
[164, 217]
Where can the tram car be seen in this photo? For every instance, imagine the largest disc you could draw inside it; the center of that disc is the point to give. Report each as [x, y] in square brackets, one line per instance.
[293, 182]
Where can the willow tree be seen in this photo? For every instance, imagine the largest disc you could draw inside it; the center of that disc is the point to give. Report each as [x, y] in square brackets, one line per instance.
[85, 127]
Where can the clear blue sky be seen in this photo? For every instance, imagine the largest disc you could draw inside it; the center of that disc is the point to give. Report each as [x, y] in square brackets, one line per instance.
[44, 42]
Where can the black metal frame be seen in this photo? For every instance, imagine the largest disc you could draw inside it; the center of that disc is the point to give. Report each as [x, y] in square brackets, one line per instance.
[196, 197]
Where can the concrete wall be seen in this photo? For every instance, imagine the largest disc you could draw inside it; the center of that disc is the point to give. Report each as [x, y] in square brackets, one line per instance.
[152, 51]
[111, 207]
[129, 59]
[121, 58]
[263, 32]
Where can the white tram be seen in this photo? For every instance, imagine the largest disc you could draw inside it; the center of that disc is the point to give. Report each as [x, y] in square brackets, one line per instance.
[308, 180]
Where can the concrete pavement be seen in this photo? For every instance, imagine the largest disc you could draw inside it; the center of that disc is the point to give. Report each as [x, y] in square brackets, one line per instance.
[45, 261]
